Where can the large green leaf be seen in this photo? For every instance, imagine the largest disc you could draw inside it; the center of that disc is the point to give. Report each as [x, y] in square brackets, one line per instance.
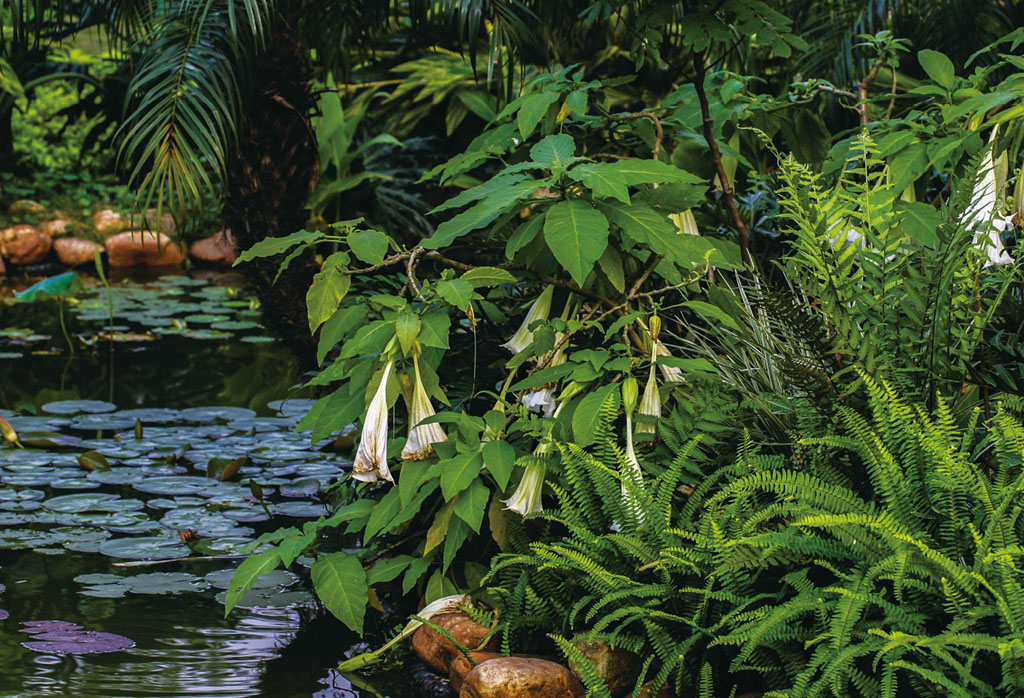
[577, 235]
[920, 221]
[369, 246]
[458, 472]
[383, 512]
[588, 413]
[340, 582]
[268, 247]
[640, 171]
[328, 290]
[251, 569]
[532, 111]
[645, 225]
[481, 191]
[601, 180]
[457, 292]
[407, 329]
[471, 504]
[554, 152]
[487, 276]
[500, 459]
[434, 329]
[524, 234]
[483, 213]
[938, 66]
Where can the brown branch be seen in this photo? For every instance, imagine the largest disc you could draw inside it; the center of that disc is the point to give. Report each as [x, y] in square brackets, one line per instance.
[862, 88]
[716, 155]
[410, 271]
[659, 134]
[892, 99]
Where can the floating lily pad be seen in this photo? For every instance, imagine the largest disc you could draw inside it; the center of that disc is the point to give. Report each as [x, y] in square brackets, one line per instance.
[10, 355]
[102, 422]
[77, 642]
[235, 325]
[267, 598]
[277, 579]
[150, 583]
[213, 414]
[176, 485]
[146, 548]
[70, 407]
[154, 415]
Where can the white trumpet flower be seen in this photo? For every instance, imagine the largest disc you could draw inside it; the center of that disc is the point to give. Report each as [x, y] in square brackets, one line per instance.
[421, 436]
[982, 215]
[686, 224]
[650, 403]
[670, 374]
[526, 499]
[371, 459]
[632, 473]
[539, 310]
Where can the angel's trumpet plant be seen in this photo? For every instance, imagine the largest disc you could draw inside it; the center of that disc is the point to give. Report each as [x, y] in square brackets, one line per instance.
[419, 445]
[983, 213]
[371, 461]
[631, 467]
[650, 403]
[526, 499]
[539, 310]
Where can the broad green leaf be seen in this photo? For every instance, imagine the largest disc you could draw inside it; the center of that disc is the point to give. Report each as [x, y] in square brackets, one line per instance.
[434, 329]
[938, 66]
[643, 171]
[554, 152]
[368, 339]
[645, 225]
[524, 234]
[588, 414]
[407, 329]
[385, 510]
[478, 102]
[472, 503]
[577, 235]
[458, 472]
[457, 292]
[64, 285]
[532, 111]
[340, 583]
[369, 246]
[458, 531]
[688, 365]
[713, 313]
[329, 287]
[291, 547]
[439, 528]
[481, 191]
[268, 247]
[576, 102]
[673, 197]
[920, 221]
[251, 569]
[483, 213]
[487, 276]
[387, 569]
[339, 325]
[414, 473]
[500, 459]
[611, 264]
[601, 181]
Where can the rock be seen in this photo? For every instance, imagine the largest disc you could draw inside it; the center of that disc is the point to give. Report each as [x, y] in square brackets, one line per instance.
[219, 248]
[56, 227]
[108, 221]
[462, 666]
[521, 677]
[135, 248]
[438, 652]
[164, 223]
[663, 692]
[26, 206]
[618, 667]
[24, 244]
[3, 269]
[74, 251]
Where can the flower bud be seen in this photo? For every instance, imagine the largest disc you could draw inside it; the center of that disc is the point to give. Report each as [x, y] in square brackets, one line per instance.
[630, 391]
[655, 327]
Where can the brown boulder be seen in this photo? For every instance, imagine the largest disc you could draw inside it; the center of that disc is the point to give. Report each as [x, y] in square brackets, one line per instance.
[24, 244]
[438, 652]
[618, 667]
[521, 677]
[55, 227]
[462, 666]
[26, 206]
[3, 269]
[163, 223]
[108, 221]
[663, 692]
[74, 251]
[142, 249]
[219, 248]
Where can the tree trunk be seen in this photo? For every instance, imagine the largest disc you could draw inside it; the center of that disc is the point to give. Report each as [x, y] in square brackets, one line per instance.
[269, 181]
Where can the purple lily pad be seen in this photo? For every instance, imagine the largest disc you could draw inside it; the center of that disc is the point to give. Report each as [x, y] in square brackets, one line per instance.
[3, 614]
[78, 642]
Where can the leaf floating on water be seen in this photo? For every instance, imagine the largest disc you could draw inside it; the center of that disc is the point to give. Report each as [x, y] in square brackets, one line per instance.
[70, 407]
[93, 460]
[73, 640]
[224, 469]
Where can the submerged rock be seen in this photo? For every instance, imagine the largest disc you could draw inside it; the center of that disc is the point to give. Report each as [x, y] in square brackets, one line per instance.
[26, 206]
[618, 667]
[219, 248]
[461, 666]
[24, 244]
[75, 251]
[57, 226]
[521, 677]
[143, 249]
[438, 652]
[108, 220]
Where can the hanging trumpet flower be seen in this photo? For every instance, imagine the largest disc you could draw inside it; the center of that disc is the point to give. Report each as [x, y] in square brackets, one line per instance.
[650, 403]
[372, 454]
[526, 499]
[686, 224]
[539, 310]
[421, 436]
[983, 213]
[631, 467]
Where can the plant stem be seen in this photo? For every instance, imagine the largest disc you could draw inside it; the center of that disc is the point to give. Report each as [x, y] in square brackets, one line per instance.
[716, 155]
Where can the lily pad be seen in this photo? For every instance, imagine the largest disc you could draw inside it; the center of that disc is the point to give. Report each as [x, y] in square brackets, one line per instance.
[146, 548]
[213, 414]
[77, 642]
[71, 407]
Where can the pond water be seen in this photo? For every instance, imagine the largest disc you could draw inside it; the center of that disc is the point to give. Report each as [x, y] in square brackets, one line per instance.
[133, 405]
